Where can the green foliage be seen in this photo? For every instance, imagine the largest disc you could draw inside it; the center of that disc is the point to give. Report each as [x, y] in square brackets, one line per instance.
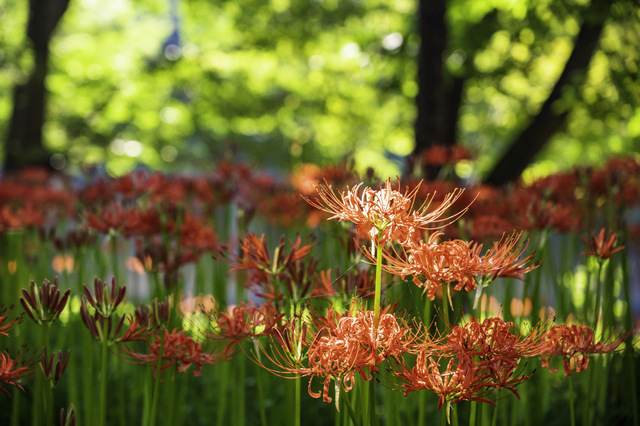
[289, 81]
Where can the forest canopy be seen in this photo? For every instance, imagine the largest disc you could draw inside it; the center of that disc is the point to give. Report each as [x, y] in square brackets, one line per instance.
[176, 85]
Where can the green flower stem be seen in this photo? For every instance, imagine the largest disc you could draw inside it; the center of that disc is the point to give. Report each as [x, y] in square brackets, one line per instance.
[352, 413]
[170, 399]
[223, 391]
[495, 411]
[443, 419]
[297, 399]
[445, 306]
[571, 408]
[378, 290]
[103, 376]
[373, 418]
[422, 401]
[146, 398]
[263, 414]
[114, 257]
[156, 386]
[473, 413]
[598, 295]
[43, 385]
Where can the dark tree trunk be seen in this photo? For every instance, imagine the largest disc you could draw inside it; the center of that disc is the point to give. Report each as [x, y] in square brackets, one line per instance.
[23, 145]
[551, 118]
[430, 126]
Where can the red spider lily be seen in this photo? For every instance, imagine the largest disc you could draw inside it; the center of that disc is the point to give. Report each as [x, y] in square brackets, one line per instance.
[179, 349]
[4, 313]
[255, 255]
[44, 304]
[29, 217]
[601, 246]
[489, 226]
[143, 222]
[289, 353]
[358, 282]
[11, 370]
[454, 384]
[102, 328]
[481, 357]
[573, 343]
[53, 370]
[386, 211]
[493, 340]
[70, 418]
[113, 218]
[344, 345]
[502, 260]
[267, 274]
[437, 262]
[194, 235]
[155, 316]
[105, 302]
[240, 322]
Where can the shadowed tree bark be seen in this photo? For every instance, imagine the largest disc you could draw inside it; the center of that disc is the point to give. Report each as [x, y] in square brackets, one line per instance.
[23, 146]
[430, 127]
[551, 117]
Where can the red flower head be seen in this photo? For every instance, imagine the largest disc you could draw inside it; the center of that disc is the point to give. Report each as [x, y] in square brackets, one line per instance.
[601, 246]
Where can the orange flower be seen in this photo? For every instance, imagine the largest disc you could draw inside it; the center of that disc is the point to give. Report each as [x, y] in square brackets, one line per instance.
[344, 345]
[386, 211]
[434, 262]
[503, 259]
[601, 246]
[11, 370]
[4, 313]
[240, 322]
[178, 349]
[573, 343]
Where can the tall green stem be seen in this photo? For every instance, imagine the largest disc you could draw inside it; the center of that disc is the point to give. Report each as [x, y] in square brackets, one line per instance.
[378, 290]
[445, 305]
[598, 295]
[156, 385]
[103, 376]
[373, 418]
[263, 414]
[297, 399]
[352, 413]
[495, 412]
[571, 408]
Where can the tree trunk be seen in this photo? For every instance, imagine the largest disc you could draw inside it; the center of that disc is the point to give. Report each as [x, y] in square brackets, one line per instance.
[23, 146]
[551, 118]
[430, 126]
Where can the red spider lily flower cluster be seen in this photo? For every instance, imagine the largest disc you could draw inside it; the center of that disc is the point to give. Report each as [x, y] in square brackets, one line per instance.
[155, 316]
[386, 211]
[456, 261]
[266, 274]
[358, 282]
[4, 314]
[178, 349]
[44, 304]
[601, 245]
[70, 418]
[104, 324]
[53, 367]
[478, 357]
[239, 322]
[343, 346]
[12, 370]
[573, 343]
[105, 302]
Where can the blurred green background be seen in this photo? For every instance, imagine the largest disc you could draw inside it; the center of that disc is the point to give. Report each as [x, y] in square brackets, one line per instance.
[179, 84]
